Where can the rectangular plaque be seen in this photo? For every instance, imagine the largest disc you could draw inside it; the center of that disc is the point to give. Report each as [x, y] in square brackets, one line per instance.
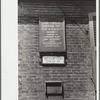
[52, 36]
[54, 88]
[53, 60]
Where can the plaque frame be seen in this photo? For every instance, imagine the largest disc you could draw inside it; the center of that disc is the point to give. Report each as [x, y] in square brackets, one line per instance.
[57, 19]
[54, 84]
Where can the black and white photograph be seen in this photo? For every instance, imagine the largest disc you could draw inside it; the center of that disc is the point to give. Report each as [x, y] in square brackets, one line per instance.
[57, 51]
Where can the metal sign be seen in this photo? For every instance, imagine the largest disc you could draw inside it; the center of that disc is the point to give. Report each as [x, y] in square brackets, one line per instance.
[53, 60]
[52, 36]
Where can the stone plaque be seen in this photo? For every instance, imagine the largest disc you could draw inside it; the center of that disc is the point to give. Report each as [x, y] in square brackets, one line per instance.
[52, 36]
[55, 89]
[53, 60]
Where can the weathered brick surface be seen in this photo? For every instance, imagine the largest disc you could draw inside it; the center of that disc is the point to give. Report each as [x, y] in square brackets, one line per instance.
[78, 70]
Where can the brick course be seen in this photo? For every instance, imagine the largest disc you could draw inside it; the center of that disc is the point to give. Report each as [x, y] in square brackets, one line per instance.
[78, 70]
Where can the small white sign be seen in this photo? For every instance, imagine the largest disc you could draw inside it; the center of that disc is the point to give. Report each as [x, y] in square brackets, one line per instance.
[53, 59]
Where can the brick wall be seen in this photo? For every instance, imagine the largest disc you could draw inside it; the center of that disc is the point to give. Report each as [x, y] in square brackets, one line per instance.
[78, 70]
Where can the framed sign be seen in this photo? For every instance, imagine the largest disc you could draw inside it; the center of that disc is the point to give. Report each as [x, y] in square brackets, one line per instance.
[54, 88]
[53, 60]
[52, 35]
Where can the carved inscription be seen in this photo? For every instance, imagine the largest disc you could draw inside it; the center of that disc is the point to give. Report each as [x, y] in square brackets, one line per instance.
[51, 38]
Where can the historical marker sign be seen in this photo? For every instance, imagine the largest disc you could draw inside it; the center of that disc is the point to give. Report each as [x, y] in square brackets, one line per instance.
[52, 36]
[53, 60]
